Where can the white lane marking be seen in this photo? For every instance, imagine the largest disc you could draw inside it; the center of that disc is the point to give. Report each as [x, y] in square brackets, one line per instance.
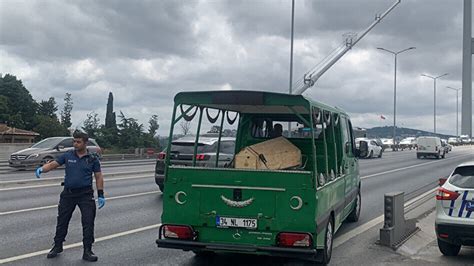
[33, 179]
[78, 244]
[56, 205]
[413, 166]
[362, 228]
[52, 185]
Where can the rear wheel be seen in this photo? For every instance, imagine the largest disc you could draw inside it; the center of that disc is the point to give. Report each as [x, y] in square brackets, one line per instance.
[355, 214]
[371, 154]
[380, 154]
[448, 249]
[328, 240]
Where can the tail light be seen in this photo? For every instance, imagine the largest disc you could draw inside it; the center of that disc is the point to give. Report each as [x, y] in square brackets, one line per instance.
[294, 240]
[178, 232]
[161, 156]
[202, 157]
[444, 194]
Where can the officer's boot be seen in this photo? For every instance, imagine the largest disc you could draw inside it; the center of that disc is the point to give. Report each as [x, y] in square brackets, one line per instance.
[57, 248]
[88, 254]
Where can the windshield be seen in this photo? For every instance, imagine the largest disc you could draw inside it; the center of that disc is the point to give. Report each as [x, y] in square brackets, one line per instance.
[463, 177]
[47, 143]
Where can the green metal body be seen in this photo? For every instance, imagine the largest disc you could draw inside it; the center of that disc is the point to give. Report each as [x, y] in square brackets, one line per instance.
[327, 185]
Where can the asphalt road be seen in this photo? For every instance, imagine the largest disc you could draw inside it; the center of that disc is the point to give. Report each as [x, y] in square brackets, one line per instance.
[126, 228]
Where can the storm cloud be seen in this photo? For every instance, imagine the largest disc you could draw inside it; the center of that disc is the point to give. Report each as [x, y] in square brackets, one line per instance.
[147, 51]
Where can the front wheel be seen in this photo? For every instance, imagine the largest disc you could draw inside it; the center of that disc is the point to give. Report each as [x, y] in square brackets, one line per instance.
[448, 249]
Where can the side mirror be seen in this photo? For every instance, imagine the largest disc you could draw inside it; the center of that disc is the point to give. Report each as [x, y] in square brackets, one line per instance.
[363, 149]
[60, 147]
[442, 180]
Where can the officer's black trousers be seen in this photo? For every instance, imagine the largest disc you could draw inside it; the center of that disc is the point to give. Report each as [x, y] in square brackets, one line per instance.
[67, 204]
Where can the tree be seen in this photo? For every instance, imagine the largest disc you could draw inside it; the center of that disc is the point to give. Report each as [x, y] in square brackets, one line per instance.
[48, 126]
[110, 120]
[91, 125]
[130, 132]
[185, 127]
[66, 112]
[20, 106]
[154, 126]
[48, 108]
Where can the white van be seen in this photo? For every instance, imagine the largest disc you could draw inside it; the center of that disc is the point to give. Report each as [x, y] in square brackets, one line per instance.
[429, 146]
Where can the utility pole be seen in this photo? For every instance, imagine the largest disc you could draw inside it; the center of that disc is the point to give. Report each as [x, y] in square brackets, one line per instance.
[468, 43]
[457, 108]
[395, 89]
[434, 93]
[291, 55]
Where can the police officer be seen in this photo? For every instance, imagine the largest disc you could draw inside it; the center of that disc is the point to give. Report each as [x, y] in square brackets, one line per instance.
[80, 164]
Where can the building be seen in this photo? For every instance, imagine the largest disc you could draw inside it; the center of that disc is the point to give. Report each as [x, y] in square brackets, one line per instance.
[16, 135]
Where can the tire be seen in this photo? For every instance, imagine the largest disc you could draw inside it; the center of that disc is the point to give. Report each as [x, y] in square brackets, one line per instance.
[46, 160]
[371, 154]
[328, 242]
[355, 213]
[437, 155]
[380, 155]
[444, 155]
[162, 187]
[448, 249]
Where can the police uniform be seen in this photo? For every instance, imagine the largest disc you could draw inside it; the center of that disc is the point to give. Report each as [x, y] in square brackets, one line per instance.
[77, 191]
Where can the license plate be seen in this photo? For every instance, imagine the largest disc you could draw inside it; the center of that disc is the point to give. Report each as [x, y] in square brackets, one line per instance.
[226, 222]
[470, 206]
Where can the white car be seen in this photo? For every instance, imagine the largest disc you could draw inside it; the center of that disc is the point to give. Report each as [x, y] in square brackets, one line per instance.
[430, 146]
[408, 143]
[373, 148]
[453, 141]
[454, 221]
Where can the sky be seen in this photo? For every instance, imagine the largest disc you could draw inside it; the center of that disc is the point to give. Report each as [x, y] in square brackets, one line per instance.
[147, 51]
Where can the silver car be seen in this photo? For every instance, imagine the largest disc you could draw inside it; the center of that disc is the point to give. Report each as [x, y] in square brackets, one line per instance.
[47, 150]
[454, 221]
[182, 151]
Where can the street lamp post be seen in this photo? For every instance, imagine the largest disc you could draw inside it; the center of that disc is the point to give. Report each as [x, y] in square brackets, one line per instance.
[457, 108]
[395, 87]
[434, 89]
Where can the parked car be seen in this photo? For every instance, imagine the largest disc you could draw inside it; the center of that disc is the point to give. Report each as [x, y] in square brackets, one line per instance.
[182, 151]
[47, 150]
[454, 220]
[373, 148]
[465, 140]
[408, 143]
[430, 146]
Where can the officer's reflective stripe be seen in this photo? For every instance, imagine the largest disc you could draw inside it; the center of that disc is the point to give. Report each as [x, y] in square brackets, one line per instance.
[463, 204]
[451, 208]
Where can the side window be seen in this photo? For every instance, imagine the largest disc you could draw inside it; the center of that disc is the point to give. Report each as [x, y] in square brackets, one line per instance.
[67, 143]
[351, 137]
[373, 143]
[345, 133]
[227, 147]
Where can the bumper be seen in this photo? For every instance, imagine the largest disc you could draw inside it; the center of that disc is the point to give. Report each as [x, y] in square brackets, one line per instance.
[24, 163]
[306, 254]
[457, 234]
